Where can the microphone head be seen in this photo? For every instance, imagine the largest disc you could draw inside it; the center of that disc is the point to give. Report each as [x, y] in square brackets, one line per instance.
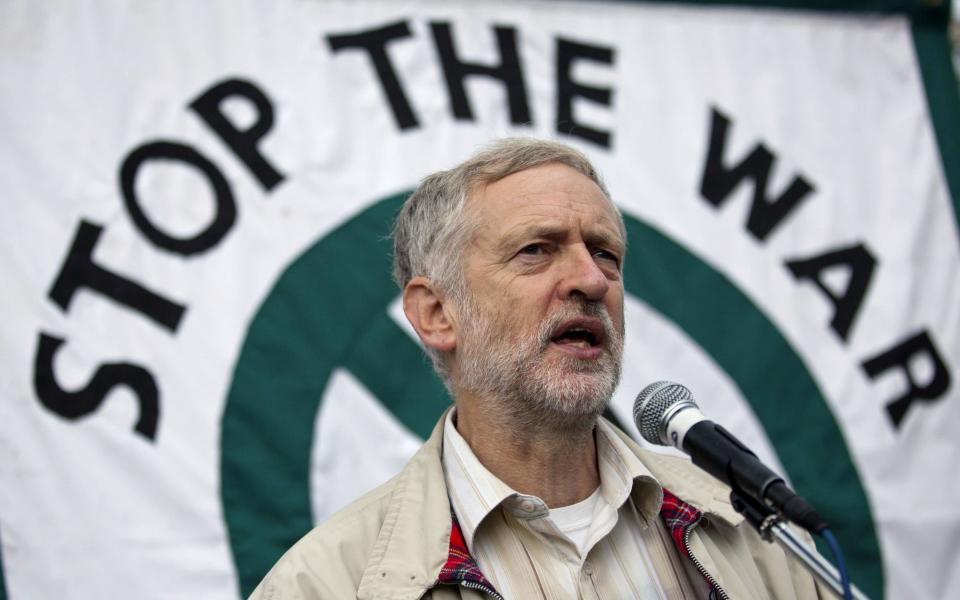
[656, 405]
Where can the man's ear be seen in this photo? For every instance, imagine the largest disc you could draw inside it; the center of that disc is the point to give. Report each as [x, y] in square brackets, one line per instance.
[427, 313]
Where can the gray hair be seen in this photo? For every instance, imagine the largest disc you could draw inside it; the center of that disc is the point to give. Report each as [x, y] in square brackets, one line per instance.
[432, 229]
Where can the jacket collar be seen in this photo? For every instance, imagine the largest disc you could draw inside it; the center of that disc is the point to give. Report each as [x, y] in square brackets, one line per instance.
[414, 539]
[697, 488]
[414, 542]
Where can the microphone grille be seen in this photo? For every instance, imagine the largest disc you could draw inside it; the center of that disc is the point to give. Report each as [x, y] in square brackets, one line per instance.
[651, 406]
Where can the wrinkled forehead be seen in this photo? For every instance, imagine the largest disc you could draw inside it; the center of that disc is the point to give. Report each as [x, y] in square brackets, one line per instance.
[490, 206]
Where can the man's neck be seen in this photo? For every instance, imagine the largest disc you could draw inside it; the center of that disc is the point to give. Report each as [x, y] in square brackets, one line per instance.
[558, 464]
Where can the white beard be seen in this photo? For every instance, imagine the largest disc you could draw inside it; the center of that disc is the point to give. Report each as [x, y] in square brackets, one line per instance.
[560, 390]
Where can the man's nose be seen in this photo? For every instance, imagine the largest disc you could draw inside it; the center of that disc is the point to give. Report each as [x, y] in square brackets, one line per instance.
[581, 275]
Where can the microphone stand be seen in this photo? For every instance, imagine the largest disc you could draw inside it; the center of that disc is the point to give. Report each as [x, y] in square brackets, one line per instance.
[770, 525]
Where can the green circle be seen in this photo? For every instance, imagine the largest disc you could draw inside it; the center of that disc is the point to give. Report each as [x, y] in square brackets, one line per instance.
[328, 310]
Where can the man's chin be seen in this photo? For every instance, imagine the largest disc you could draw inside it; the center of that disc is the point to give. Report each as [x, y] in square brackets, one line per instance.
[572, 394]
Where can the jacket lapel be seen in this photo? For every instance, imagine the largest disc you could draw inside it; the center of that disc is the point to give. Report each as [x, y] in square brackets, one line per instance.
[414, 539]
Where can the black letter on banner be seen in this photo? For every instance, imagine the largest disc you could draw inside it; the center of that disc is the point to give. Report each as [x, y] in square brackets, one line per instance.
[718, 181]
[900, 356]
[568, 89]
[455, 71]
[374, 42]
[242, 142]
[859, 262]
[226, 208]
[79, 270]
[73, 405]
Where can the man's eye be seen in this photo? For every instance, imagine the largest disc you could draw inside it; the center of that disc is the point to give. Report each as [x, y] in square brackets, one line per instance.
[532, 249]
[607, 256]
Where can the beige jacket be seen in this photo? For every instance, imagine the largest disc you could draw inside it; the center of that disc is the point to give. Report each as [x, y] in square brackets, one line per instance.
[391, 543]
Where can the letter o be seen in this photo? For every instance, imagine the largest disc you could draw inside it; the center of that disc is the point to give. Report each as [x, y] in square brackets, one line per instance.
[223, 220]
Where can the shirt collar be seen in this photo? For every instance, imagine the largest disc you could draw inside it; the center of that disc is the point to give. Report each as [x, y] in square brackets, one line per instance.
[475, 492]
[623, 474]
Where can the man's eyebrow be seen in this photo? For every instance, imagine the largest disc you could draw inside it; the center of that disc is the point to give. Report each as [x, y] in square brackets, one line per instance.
[604, 237]
[601, 236]
[519, 234]
[536, 230]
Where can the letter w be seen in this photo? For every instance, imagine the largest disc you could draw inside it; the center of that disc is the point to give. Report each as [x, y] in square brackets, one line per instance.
[719, 181]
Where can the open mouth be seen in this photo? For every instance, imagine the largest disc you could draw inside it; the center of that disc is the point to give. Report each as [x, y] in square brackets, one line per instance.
[579, 333]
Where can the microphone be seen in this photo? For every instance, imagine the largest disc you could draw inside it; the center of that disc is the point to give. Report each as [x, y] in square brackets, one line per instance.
[666, 415]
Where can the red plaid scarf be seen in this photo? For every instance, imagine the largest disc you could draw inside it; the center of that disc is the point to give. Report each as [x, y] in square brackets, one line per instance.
[461, 568]
[678, 516]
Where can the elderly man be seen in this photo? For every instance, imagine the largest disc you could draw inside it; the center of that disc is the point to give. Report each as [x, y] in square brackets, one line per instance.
[510, 266]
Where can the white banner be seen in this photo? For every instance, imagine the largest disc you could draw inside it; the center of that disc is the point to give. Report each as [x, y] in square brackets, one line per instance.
[203, 353]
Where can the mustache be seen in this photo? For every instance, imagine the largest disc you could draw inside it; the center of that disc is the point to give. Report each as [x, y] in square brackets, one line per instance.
[573, 310]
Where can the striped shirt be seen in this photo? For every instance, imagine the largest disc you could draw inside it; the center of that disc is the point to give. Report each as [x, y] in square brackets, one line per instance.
[626, 551]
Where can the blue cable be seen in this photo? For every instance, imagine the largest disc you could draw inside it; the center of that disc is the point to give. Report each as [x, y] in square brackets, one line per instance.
[831, 540]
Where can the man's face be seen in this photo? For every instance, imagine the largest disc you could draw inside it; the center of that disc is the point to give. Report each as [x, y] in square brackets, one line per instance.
[542, 326]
